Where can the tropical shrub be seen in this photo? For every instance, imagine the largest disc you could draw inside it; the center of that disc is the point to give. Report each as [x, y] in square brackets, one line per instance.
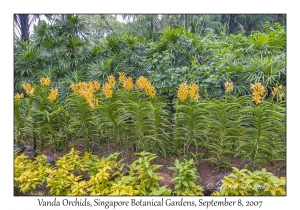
[28, 174]
[146, 177]
[185, 178]
[89, 175]
[256, 183]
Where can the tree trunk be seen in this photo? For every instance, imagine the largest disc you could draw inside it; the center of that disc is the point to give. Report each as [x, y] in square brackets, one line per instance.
[163, 21]
[274, 19]
[73, 64]
[152, 27]
[185, 21]
[228, 21]
[203, 22]
[24, 27]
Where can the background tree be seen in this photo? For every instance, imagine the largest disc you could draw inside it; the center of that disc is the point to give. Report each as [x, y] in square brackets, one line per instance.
[23, 22]
[101, 26]
[143, 25]
[236, 23]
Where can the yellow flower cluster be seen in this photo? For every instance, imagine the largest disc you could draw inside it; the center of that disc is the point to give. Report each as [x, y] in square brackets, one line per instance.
[257, 94]
[186, 91]
[18, 97]
[107, 90]
[122, 77]
[228, 86]
[278, 90]
[87, 90]
[45, 81]
[28, 89]
[183, 92]
[143, 84]
[126, 82]
[111, 81]
[53, 94]
[150, 90]
[108, 86]
[194, 92]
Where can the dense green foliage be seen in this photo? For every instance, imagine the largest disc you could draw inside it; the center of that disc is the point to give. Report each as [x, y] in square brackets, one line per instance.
[64, 51]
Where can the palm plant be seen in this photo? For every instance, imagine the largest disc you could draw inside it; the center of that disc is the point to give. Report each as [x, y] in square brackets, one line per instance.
[273, 38]
[56, 49]
[26, 64]
[63, 42]
[268, 70]
[101, 69]
[63, 83]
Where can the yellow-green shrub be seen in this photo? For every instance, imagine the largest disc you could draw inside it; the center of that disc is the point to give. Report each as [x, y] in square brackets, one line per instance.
[28, 174]
[185, 177]
[144, 172]
[89, 175]
[245, 183]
